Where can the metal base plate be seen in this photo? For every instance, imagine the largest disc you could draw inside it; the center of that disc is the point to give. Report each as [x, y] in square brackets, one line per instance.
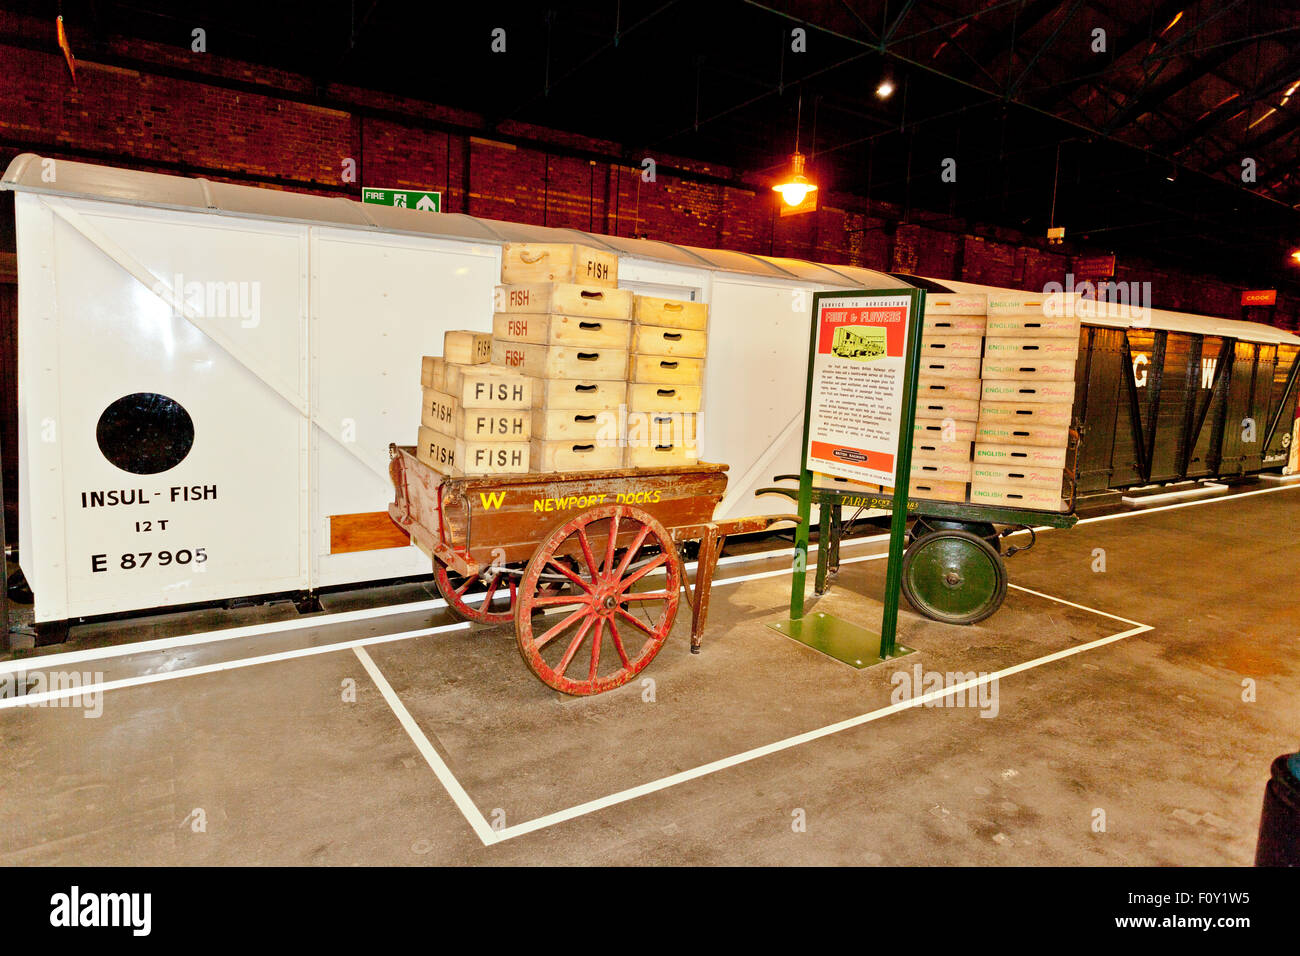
[835, 637]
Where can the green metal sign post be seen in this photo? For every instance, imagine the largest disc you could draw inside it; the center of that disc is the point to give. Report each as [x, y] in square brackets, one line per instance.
[848, 642]
[424, 200]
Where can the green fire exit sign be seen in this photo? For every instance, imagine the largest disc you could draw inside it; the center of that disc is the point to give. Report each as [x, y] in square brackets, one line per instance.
[404, 199]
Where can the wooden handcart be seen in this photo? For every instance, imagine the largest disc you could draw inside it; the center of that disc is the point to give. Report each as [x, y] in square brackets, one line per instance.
[586, 565]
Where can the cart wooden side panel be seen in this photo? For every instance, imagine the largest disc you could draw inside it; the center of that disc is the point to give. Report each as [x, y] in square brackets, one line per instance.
[471, 522]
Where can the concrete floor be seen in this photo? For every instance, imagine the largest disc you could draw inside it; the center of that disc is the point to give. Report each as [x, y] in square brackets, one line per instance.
[274, 762]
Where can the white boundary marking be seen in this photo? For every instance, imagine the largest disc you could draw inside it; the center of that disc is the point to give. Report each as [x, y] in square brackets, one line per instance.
[48, 661]
[632, 793]
[31, 700]
[482, 829]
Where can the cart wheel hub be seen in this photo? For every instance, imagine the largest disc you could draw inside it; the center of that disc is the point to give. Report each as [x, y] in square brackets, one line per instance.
[952, 578]
[609, 603]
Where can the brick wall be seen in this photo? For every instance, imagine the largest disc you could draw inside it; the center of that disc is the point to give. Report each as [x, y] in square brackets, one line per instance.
[152, 107]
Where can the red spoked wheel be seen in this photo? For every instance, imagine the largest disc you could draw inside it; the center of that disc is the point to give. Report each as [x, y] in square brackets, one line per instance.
[498, 604]
[611, 603]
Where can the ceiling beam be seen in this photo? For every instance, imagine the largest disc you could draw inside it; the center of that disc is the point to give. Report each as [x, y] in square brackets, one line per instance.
[1276, 81]
[1152, 94]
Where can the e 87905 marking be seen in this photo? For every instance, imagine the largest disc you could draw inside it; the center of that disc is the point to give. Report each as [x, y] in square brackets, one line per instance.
[136, 560]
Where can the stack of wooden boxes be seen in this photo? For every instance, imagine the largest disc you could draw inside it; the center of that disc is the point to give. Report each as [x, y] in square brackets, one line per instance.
[474, 418]
[947, 396]
[562, 320]
[1026, 396]
[665, 379]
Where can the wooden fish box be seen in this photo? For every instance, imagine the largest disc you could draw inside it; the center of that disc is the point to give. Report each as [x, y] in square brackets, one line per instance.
[1035, 413]
[940, 430]
[938, 367]
[1038, 456]
[1021, 433]
[1028, 369]
[584, 394]
[936, 490]
[444, 414]
[956, 303]
[661, 428]
[1046, 479]
[950, 346]
[1014, 348]
[1039, 304]
[575, 455]
[946, 388]
[488, 386]
[664, 398]
[670, 313]
[456, 456]
[575, 424]
[563, 298]
[660, 369]
[962, 409]
[525, 262]
[654, 456]
[1022, 326]
[661, 340]
[433, 373]
[1016, 496]
[463, 347]
[933, 449]
[941, 469]
[577, 331]
[561, 361]
[952, 324]
[1037, 393]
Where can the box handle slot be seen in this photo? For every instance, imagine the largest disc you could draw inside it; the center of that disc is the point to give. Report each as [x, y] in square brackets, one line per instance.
[673, 336]
[584, 388]
[588, 356]
[589, 326]
[537, 257]
[591, 294]
[668, 365]
[584, 419]
[665, 392]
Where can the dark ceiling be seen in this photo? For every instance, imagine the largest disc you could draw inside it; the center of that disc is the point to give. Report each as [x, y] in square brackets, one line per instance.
[1139, 147]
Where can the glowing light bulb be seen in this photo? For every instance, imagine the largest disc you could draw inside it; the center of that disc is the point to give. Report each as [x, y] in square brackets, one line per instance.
[797, 187]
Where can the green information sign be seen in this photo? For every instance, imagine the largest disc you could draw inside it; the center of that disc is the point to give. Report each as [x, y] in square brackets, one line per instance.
[863, 360]
[425, 201]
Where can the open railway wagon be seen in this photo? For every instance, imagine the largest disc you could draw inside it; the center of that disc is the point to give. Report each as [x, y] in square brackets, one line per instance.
[590, 561]
[265, 343]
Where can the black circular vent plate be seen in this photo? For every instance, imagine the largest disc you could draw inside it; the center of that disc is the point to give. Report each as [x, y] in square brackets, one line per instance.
[145, 433]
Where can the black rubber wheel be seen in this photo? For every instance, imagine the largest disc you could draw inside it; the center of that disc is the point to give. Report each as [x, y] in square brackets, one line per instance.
[954, 576]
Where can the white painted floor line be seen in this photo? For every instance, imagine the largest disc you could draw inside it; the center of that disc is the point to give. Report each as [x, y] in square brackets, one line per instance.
[482, 829]
[43, 662]
[1081, 607]
[64, 658]
[98, 687]
[632, 793]
[1218, 499]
